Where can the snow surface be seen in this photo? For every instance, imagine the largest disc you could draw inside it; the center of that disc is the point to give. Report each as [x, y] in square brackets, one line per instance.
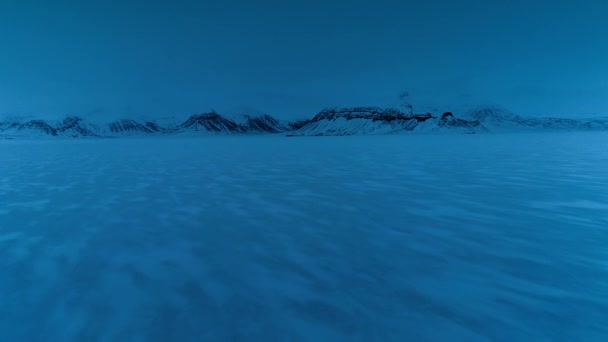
[266, 238]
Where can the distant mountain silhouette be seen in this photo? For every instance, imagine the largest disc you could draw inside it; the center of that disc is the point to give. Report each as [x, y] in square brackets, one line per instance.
[332, 121]
[263, 124]
[209, 122]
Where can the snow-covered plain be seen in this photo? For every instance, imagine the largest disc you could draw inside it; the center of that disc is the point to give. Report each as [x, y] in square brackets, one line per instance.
[267, 238]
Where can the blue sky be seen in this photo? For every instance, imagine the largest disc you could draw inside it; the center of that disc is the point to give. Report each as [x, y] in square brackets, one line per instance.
[292, 58]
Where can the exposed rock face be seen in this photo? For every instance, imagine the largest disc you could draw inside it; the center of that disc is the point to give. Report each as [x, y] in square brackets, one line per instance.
[210, 122]
[38, 126]
[30, 127]
[449, 121]
[294, 125]
[360, 121]
[153, 127]
[8, 125]
[368, 113]
[126, 126]
[74, 126]
[262, 124]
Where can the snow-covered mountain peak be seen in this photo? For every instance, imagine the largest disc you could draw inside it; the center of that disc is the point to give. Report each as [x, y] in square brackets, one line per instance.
[209, 122]
[492, 114]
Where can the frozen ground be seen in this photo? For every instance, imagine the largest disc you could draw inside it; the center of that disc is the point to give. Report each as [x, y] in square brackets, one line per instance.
[402, 238]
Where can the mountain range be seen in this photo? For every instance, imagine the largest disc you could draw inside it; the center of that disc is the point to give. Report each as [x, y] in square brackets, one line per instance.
[328, 122]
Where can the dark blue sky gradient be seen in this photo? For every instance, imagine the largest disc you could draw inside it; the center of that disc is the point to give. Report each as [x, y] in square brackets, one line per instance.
[292, 58]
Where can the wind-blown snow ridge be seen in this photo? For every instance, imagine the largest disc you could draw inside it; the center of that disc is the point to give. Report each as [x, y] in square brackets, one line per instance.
[332, 121]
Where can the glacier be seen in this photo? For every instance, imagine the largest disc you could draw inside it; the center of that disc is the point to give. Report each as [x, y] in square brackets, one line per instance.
[483, 237]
